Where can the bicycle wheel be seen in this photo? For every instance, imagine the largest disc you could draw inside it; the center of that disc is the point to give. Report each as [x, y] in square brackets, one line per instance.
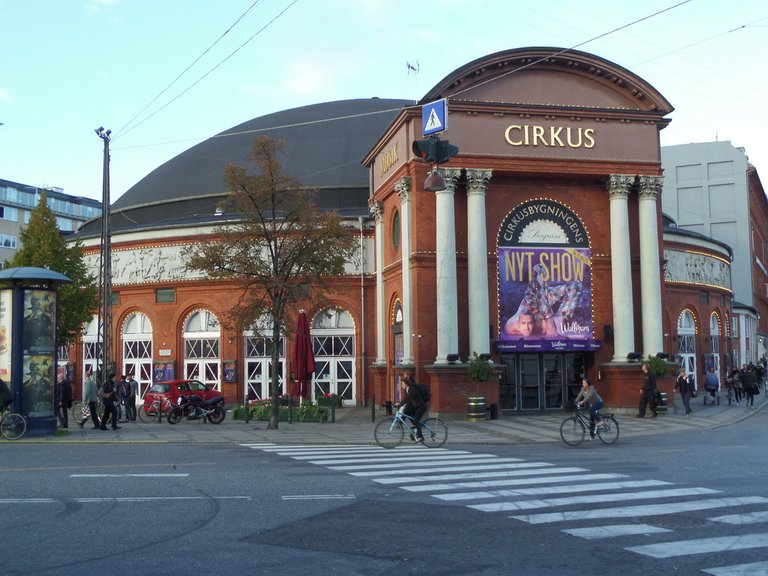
[144, 416]
[572, 431]
[13, 426]
[388, 434]
[435, 432]
[77, 412]
[608, 431]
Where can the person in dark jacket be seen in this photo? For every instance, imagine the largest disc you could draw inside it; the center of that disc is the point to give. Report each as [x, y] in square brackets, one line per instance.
[108, 394]
[412, 403]
[63, 392]
[749, 382]
[647, 392]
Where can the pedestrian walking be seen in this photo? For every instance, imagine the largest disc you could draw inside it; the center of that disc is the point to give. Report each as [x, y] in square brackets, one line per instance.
[749, 381]
[648, 392]
[91, 398]
[108, 394]
[63, 394]
[130, 405]
[684, 386]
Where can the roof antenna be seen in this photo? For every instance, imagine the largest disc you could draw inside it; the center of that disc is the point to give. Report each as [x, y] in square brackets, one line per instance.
[414, 68]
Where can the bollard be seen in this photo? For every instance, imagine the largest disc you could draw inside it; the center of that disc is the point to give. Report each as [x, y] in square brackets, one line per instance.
[373, 408]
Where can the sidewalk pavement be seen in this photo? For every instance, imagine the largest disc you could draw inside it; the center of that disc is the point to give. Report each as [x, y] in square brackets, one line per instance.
[355, 426]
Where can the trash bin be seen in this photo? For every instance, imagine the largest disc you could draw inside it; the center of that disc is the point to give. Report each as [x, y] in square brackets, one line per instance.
[662, 406]
[475, 408]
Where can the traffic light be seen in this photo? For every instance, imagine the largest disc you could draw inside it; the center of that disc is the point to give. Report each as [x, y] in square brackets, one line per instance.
[445, 151]
[434, 150]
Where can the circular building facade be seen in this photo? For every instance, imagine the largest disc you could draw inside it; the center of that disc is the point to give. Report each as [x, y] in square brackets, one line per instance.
[545, 251]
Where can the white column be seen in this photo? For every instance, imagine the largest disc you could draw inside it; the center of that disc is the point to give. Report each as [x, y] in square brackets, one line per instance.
[621, 268]
[376, 210]
[403, 188]
[477, 262]
[447, 295]
[650, 266]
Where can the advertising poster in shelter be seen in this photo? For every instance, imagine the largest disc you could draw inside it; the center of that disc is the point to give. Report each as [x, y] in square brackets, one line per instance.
[6, 298]
[38, 346]
[545, 280]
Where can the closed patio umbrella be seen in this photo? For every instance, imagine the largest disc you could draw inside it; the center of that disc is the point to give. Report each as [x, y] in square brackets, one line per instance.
[303, 357]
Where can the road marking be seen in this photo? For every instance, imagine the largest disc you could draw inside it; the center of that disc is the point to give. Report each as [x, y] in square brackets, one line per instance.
[319, 497]
[514, 482]
[568, 489]
[644, 510]
[147, 475]
[702, 546]
[444, 467]
[480, 474]
[591, 499]
[614, 531]
[740, 519]
[751, 569]
[117, 499]
[157, 498]
[403, 460]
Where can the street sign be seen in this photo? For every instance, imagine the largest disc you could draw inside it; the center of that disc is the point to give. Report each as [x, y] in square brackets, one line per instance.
[434, 117]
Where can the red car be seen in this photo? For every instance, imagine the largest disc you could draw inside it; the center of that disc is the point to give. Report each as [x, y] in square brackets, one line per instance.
[172, 389]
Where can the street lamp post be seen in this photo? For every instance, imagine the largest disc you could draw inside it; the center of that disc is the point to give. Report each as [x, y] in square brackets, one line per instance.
[105, 271]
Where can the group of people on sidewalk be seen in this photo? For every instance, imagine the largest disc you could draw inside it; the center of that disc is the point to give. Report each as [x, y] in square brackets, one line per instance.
[119, 400]
[739, 383]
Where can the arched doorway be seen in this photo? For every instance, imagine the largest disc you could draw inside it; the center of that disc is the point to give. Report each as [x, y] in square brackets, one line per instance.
[258, 360]
[137, 350]
[333, 341]
[202, 338]
[686, 342]
[91, 347]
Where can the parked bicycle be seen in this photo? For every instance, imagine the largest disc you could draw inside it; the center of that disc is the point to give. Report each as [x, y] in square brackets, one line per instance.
[574, 429]
[12, 424]
[390, 433]
[81, 411]
[155, 411]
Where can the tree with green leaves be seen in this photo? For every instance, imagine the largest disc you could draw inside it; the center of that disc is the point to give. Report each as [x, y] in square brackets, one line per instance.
[279, 247]
[43, 246]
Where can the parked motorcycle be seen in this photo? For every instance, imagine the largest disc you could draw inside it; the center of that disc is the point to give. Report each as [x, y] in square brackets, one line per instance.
[193, 407]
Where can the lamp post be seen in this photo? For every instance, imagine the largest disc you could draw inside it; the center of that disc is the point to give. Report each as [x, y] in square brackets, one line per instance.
[104, 337]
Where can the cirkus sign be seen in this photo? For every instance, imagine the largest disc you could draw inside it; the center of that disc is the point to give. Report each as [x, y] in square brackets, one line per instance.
[532, 135]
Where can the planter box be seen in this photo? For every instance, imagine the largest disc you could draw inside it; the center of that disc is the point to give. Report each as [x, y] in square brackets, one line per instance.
[329, 402]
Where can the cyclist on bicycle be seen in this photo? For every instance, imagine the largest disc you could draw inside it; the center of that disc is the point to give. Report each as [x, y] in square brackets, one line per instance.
[588, 394]
[413, 403]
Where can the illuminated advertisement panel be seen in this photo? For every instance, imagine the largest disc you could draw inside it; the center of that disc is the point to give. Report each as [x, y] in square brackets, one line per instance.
[545, 280]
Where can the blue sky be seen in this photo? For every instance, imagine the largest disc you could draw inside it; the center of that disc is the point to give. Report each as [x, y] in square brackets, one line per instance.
[69, 66]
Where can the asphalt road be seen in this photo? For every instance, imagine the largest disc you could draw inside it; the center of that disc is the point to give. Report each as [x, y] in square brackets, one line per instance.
[685, 502]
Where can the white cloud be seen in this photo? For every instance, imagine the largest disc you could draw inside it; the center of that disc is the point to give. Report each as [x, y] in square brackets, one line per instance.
[99, 6]
[5, 96]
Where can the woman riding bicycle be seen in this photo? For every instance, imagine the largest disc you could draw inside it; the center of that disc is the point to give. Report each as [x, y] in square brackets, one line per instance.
[588, 394]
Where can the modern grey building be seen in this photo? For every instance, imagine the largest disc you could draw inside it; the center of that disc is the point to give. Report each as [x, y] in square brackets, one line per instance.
[712, 189]
[17, 202]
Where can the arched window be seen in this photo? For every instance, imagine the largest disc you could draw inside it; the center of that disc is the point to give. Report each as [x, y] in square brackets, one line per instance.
[686, 341]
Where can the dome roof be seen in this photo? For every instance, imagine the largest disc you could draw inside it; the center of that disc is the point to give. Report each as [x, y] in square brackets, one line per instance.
[324, 147]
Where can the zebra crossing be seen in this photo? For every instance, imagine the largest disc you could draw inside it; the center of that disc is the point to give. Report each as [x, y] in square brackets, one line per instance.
[532, 492]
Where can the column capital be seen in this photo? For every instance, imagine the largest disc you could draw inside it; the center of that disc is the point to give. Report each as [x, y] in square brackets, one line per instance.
[650, 187]
[619, 184]
[477, 180]
[403, 188]
[451, 176]
[377, 211]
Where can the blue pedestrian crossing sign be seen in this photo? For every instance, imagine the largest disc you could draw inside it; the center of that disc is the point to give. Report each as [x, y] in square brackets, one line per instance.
[434, 117]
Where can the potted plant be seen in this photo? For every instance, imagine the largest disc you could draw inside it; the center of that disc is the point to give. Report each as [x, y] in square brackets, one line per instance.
[479, 370]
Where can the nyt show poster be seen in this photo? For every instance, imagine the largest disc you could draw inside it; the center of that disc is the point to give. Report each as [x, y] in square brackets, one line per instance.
[545, 280]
